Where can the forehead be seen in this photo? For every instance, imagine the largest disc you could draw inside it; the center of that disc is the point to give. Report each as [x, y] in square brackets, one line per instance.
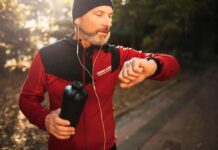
[104, 8]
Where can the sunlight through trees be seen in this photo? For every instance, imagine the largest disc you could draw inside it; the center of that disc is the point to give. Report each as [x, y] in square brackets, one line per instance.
[182, 27]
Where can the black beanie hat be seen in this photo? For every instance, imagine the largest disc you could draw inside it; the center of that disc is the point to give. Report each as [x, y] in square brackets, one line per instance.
[80, 7]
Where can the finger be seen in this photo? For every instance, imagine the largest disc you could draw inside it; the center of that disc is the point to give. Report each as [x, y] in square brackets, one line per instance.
[124, 85]
[136, 67]
[132, 83]
[130, 78]
[61, 128]
[63, 133]
[58, 111]
[54, 129]
[61, 121]
[130, 69]
[125, 74]
[133, 75]
[128, 72]
[122, 78]
[139, 79]
[61, 137]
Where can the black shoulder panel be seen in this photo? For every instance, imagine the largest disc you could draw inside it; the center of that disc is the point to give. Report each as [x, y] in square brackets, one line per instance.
[60, 59]
[115, 57]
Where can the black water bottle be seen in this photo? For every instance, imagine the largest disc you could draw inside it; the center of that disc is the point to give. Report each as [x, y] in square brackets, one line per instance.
[74, 98]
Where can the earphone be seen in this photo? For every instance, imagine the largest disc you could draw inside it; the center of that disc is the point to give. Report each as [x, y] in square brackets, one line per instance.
[92, 77]
[77, 22]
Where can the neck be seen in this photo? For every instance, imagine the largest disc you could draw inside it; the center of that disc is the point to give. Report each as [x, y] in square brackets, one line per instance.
[84, 42]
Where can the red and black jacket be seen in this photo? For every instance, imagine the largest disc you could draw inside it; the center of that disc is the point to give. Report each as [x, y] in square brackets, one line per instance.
[56, 65]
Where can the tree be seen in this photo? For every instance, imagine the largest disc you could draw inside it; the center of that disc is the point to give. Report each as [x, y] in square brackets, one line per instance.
[184, 26]
[26, 25]
[13, 38]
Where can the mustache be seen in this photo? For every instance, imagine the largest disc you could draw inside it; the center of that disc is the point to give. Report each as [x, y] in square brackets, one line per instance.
[105, 30]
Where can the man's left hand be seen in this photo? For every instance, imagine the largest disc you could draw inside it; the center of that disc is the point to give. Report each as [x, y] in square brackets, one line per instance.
[136, 70]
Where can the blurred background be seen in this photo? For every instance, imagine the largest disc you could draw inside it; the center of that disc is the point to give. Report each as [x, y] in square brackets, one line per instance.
[186, 29]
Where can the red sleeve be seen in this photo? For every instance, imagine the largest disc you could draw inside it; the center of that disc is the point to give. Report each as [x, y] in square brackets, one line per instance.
[169, 64]
[32, 94]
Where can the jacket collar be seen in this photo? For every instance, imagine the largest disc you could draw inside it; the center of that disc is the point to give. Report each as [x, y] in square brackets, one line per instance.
[69, 40]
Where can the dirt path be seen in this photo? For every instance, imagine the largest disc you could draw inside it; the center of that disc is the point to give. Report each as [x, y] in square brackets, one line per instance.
[195, 126]
[183, 117]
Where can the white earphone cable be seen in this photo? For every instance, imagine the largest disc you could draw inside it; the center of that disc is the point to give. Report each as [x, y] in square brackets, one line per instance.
[93, 84]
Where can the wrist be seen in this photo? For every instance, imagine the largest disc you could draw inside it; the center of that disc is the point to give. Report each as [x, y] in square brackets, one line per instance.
[158, 66]
[152, 67]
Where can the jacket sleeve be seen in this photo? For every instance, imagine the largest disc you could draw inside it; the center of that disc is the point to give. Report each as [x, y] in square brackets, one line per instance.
[168, 65]
[32, 94]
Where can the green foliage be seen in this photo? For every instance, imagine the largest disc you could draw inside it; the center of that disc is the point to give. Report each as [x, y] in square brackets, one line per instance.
[185, 26]
[181, 27]
[28, 25]
[56, 15]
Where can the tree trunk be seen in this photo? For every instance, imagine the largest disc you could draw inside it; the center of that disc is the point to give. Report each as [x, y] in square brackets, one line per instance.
[2, 59]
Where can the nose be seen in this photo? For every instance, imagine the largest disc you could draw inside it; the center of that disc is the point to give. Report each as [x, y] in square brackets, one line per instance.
[107, 21]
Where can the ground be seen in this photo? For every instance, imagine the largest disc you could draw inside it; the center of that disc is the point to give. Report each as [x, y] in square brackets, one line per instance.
[180, 117]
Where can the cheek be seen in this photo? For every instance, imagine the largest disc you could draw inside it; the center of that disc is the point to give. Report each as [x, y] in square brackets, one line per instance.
[94, 23]
[90, 25]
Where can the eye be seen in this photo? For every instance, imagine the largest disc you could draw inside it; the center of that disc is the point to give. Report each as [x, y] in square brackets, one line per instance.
[99, 14]
[110, 16]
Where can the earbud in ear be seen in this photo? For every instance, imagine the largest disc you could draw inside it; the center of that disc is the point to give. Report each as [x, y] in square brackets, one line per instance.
[76, 21]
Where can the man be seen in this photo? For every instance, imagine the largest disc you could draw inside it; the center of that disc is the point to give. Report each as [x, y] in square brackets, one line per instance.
[86, 56]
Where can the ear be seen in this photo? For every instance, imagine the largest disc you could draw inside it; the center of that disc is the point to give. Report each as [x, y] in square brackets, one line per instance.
[77, 21]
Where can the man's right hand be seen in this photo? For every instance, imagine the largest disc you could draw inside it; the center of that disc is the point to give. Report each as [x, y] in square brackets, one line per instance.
[57, 126]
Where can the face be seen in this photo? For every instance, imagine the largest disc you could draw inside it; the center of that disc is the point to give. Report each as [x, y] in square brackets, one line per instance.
[95, 25]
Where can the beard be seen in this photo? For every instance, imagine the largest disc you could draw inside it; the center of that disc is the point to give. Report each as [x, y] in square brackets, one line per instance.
[93, 37]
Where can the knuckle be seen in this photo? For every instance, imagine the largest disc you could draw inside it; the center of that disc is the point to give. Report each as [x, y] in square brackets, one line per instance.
[120, 75]
[55, 119]
[125, 75]
[135, 68]
[135, 59]
[130, 73]
[125, 63]
[125, 80]
[57, 127]
[55, 134]
[124, 72]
